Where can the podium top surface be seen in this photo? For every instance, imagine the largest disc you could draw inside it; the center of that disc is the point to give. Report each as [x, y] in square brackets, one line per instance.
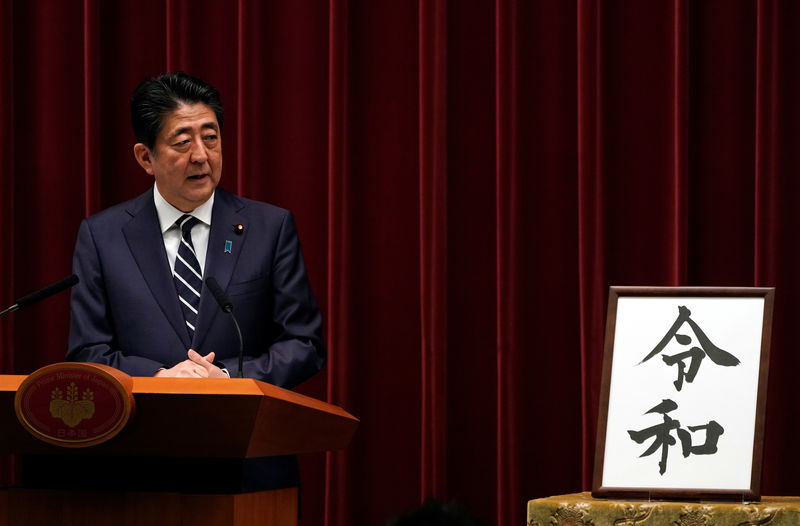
[205, 386]
[224, 418]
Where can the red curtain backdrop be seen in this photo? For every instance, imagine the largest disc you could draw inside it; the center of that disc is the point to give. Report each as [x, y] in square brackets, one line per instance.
[468, 179]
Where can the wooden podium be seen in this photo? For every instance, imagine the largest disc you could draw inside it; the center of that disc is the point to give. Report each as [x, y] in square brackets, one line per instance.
[177, 423]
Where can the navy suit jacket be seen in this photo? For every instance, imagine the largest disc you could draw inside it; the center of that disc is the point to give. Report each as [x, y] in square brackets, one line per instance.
[125, 310]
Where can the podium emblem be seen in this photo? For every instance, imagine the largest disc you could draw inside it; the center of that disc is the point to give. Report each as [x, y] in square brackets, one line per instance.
[73, 409]
[75, 404]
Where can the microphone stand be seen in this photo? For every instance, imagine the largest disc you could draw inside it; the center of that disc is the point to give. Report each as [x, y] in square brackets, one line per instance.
[241, 346]
[227, 307]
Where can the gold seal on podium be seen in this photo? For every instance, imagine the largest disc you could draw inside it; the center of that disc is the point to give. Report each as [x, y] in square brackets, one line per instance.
[75, 404]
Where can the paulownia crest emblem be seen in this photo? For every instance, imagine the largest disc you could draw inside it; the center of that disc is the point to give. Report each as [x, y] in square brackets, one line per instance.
[70, 409]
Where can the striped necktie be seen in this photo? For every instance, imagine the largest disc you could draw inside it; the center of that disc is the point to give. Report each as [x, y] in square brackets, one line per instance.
[187, 274]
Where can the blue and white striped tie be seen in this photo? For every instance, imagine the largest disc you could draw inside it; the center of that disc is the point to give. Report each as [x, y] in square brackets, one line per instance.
[187, 274]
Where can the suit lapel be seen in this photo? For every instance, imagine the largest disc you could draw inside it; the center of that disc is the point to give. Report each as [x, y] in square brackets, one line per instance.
[143, 235]
[219, 261]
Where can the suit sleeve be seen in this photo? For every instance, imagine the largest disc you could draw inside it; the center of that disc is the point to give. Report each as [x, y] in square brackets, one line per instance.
[295, 349]
[91, 335]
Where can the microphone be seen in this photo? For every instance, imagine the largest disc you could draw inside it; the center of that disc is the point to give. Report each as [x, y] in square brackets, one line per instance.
[222, 299]
[225, 304]
[46, 292]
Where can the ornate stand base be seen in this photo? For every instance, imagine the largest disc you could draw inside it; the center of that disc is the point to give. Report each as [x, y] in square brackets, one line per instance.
[580, 509]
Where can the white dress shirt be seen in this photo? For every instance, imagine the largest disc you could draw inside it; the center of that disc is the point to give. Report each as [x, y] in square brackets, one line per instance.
[168, 214]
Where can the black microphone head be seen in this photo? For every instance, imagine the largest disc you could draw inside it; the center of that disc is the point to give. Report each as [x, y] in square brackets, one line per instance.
[48, 291]
[219, 295]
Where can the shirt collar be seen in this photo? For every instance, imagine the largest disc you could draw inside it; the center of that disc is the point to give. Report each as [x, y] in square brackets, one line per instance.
[168, 214]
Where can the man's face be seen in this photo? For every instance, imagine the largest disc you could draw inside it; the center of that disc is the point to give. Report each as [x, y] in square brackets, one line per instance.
[186, 160]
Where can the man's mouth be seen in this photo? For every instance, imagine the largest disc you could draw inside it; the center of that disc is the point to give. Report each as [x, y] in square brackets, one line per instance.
[198, 176]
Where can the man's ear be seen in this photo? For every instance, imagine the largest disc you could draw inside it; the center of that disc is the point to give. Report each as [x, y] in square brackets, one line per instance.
[143, 157]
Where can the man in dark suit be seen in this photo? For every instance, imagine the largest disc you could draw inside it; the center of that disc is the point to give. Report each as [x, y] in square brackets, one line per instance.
[127, 310]
[141, 306]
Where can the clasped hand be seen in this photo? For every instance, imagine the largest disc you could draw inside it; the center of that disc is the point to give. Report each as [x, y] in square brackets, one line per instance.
[195, 366]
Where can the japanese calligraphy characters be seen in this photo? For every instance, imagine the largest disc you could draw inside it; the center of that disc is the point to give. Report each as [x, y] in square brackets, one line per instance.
[661, 433]
[696, 354]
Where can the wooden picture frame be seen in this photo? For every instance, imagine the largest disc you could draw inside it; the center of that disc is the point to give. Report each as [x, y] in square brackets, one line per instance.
[683, 393]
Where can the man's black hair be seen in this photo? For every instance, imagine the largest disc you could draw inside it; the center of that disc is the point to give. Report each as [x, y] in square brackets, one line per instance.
[156, 97]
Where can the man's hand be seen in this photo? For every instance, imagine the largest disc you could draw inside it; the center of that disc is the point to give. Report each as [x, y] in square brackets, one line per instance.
[207, 362]
[195, 367]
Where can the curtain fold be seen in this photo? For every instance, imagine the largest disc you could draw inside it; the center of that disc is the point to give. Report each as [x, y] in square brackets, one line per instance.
[471, 257]
[591, 213]
[91, 111]
[339, 496]
[433, 244]
[7, 196]
[766, 115]
[468, 179]
[7, 207]
[680, 142]
[507, 254]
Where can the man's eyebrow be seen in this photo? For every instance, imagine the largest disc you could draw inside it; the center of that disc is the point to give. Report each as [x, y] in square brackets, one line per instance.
[210, 125]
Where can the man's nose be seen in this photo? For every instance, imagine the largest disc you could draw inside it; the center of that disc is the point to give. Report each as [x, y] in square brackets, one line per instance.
[198, 153]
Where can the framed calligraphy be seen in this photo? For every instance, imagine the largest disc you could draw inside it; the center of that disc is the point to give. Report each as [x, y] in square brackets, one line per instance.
[683, 393]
